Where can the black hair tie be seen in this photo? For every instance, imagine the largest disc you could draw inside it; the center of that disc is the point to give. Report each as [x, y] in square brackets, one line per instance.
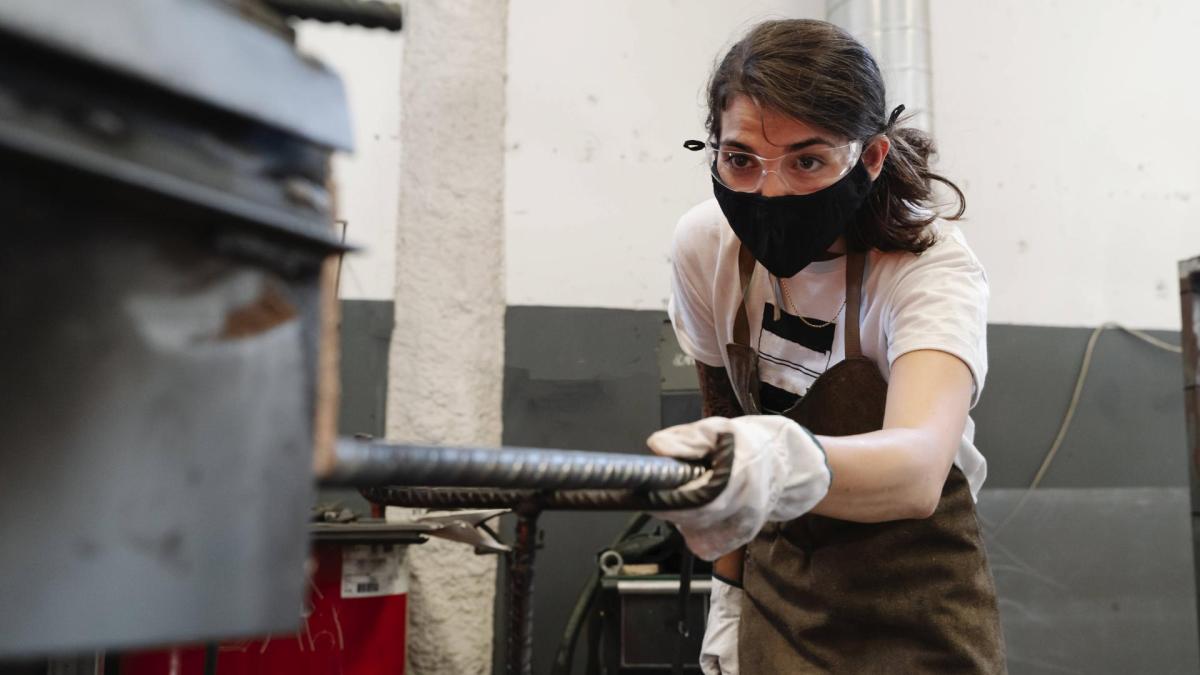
[895, 114]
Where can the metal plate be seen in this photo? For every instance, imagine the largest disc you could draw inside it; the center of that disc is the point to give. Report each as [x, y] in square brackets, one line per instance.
[87, 127]
[200, 49]
[157, 444]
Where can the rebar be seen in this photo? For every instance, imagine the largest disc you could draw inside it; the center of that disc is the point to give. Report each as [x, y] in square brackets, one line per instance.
[544, 473]
[565, 500]
[365, 13]
[367, 463]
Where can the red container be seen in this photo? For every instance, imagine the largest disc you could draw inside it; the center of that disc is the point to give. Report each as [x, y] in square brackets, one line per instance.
[339, 636]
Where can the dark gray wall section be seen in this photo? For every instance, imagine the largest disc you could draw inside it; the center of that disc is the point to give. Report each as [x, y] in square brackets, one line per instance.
[579, 379]
[1114, 536]
[1129, 430]
[1094, 580]
[366, 334]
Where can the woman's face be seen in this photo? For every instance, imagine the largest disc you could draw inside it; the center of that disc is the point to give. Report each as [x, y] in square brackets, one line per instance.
[768, 133]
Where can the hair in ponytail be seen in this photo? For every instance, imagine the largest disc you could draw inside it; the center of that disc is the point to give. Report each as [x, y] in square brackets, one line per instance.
[816, 72]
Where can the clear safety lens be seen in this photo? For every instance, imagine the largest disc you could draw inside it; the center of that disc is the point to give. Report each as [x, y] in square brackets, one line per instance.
[801, 171]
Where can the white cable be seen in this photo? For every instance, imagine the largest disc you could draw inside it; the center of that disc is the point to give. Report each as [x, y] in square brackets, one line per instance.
[1074, 405]
[1166, 346]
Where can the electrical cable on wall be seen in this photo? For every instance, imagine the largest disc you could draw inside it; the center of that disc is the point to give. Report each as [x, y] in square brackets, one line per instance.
[1084, 367]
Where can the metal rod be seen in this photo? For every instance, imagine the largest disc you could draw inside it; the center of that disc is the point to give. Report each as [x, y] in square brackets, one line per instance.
[359, 462]
[366, 13]
[565, 500]
[366, 463]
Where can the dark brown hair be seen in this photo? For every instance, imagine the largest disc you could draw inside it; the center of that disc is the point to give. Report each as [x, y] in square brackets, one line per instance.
[818, 73]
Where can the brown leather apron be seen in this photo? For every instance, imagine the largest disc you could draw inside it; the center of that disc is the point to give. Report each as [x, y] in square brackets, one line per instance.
[832, 596]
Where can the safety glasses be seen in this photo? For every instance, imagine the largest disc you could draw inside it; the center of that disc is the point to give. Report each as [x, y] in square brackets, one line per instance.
[801, 171]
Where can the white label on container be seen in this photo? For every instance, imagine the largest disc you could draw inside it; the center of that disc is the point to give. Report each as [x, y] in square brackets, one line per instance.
[373, 570]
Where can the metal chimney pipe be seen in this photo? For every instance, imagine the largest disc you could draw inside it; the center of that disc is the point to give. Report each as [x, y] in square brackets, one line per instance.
[897, 33]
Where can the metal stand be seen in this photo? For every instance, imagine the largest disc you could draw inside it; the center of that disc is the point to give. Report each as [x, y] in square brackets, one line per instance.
[520, 594]
[1189, 289]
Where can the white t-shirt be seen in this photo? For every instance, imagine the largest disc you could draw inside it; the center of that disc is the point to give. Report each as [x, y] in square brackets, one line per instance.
[935, 300]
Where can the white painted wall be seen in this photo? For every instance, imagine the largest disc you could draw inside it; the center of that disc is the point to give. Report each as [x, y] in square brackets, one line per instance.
[601, 96]
[368, 181]
[1072, 127]
[1069, 123]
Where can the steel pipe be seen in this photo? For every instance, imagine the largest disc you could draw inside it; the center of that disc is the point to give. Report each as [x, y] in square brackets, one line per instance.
[897, 34]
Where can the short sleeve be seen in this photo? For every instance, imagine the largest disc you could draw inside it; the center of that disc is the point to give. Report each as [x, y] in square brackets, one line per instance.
[693, 260]
[940, 302]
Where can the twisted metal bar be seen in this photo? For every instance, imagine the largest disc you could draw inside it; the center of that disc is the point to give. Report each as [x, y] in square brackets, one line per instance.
[364, 463]
[366, 13]
[356, 463]
[565, 500]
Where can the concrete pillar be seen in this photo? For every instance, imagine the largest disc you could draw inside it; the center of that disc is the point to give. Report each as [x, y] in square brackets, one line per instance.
[447, 354]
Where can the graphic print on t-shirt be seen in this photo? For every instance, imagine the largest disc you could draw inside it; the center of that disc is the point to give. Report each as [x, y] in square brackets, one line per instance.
[791, 355]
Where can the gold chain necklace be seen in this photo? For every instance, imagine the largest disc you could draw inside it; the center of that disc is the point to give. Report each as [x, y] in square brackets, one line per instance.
[791, 305]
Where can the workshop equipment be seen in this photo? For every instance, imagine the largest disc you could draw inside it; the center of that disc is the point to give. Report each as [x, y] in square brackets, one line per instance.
[166, 222]
[638, 612]
[354, 618]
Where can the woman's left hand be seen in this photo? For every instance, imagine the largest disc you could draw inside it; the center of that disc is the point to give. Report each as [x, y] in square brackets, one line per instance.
[779, 473]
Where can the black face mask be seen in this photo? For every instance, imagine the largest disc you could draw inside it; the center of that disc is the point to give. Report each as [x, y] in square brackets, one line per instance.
[787, 233]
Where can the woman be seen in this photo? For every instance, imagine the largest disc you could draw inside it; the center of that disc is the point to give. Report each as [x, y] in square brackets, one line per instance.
[838, 326]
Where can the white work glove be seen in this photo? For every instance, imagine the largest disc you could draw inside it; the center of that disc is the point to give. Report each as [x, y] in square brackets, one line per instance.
[779, 473]
[719, 650]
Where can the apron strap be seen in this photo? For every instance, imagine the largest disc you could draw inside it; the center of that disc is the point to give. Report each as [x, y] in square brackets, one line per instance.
[741, 322]
[855, 262]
